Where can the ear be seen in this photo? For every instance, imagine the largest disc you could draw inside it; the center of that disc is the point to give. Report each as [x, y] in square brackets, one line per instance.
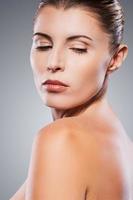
[118, 58]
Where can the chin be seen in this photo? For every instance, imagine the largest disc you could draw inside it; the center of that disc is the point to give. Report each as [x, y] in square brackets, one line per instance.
[54, 103]
[61, 104]
[57, 105]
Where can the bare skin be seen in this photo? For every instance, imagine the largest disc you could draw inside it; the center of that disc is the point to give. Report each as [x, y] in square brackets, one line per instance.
[103, 149]
[108, 136]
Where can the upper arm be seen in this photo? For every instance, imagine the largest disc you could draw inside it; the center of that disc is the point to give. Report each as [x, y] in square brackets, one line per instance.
[55, 170]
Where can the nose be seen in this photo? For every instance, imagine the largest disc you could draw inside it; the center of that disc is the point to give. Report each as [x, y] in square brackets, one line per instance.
[55, 62]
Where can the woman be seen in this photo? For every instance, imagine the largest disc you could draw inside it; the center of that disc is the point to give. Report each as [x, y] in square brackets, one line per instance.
[85, 152]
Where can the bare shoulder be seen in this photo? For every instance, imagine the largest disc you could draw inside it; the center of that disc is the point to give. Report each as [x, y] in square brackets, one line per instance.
[45, 137]
[58, 130]
[63, 152]
[55, 158]
[62, 124]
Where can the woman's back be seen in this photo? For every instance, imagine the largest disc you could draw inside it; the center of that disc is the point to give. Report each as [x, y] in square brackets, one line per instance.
[105, 140]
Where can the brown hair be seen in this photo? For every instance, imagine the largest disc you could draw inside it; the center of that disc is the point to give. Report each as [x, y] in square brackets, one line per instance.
[109, 13]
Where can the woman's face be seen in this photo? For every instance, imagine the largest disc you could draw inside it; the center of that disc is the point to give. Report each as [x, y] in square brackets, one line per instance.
[80, 62]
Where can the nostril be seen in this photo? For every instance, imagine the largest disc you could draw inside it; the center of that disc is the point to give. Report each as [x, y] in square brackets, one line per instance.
[56, 68]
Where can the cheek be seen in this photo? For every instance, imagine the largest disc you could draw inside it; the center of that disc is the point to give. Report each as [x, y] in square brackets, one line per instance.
[88, 73]
[90, 79]
[95, 74]
[37, 63]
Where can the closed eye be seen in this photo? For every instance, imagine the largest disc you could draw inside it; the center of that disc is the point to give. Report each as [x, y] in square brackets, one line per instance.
[77, 50]
[43, 48]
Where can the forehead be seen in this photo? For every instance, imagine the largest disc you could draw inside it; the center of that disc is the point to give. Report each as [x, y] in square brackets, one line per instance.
[62, 22]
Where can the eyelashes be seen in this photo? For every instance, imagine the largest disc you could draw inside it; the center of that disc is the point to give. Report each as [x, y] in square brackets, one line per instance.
[43, 48]
[79, 51]
[76, 50]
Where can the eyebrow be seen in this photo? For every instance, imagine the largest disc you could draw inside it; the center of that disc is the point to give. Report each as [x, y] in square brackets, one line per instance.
[68, 39]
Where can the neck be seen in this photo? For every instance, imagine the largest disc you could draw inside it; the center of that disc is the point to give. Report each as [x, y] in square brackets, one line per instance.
[87, 108]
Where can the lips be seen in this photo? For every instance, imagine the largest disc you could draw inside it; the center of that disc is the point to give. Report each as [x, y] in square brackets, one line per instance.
[55, 82]
[54, 86]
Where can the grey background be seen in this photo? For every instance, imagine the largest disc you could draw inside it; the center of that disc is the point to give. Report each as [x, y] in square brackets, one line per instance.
[22, 112]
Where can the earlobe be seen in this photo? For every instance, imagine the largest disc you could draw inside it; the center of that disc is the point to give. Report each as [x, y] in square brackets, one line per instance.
[118, 58]
[112, 69]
